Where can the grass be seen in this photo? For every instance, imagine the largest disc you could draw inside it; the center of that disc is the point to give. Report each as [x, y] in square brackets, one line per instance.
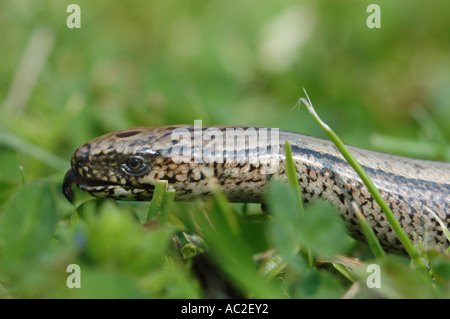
[412, 252]
[161, 63]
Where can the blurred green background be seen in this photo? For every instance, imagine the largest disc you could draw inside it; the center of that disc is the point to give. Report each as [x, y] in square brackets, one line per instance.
[232, 62]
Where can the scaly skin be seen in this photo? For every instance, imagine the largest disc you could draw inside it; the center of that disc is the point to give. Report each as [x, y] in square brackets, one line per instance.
[411, 187]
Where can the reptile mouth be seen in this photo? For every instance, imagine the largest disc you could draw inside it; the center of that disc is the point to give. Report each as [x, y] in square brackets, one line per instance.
[100, 188]
[73, 178]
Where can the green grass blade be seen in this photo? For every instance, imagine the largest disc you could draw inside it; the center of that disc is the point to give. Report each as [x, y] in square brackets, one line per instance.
[169, 197]
[372, 240]
[25, 147]
[411, 148]
[221, 232]
[369, 184]
[291, 173]
[161, 203]
[344, 272]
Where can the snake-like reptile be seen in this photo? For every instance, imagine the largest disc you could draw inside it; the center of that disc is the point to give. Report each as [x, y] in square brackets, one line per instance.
[126, 165]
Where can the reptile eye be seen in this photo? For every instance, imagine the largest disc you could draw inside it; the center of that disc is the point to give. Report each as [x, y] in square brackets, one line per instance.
[135, 165]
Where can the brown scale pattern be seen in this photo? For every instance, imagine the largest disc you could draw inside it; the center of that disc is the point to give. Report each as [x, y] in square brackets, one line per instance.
[408, 186]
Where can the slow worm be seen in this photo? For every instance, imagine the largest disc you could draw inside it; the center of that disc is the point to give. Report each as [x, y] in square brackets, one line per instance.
[126, 165]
